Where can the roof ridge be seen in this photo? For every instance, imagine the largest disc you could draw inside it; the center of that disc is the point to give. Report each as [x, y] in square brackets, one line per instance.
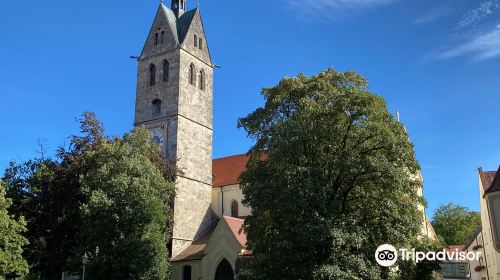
[171, 21]
[184, 23]
[238, 155]
[473, 237]
[495, 184]
[487, 178]
[232, 218]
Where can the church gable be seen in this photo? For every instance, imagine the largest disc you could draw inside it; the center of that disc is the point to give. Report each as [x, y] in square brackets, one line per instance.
[228, 241]
[192, 35]
[228, 230]
[163, 35]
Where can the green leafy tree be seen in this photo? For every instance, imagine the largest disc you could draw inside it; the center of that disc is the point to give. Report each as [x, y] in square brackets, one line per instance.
[329, 180]
[61, 202]
[11, 240]
[455, 224]
[49, 195]
[126, 218]
[424, 270]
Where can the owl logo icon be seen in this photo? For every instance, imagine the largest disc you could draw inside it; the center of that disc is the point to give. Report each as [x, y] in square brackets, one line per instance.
[386, 255]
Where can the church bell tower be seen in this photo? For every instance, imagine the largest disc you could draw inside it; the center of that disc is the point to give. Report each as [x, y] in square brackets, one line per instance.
[174, 100]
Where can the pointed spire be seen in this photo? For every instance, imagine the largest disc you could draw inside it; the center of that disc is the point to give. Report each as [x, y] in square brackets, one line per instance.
[179, 7]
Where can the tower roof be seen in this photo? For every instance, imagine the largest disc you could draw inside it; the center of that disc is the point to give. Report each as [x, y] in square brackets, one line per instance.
[172, 21]
[184, 23]
[179, 26]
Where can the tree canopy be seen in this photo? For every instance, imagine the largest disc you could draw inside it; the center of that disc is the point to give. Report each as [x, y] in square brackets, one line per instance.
[107, 197]
[11, 240]
[126, 218]
[455, 224]
[329, 180]
[48, 193]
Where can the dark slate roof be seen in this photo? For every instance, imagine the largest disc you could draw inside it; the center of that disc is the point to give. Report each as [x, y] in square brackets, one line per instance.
[184, 23]
[172, 21]
[181, 25]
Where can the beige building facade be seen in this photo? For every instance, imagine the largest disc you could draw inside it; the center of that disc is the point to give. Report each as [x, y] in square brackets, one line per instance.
[486, 240]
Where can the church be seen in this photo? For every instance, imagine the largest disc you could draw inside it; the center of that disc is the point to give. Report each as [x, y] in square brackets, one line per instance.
[174, 100]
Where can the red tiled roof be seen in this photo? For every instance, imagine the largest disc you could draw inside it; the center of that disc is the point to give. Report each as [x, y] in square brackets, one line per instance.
[495, 186]
[226, 171]
[236, 226]
[487, 178]
[452, 248]
[195, 251]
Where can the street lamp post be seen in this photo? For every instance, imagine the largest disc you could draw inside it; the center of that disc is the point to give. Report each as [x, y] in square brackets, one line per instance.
[85, 261]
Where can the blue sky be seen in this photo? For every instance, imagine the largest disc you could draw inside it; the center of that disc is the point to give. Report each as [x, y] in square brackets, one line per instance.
[434, 61]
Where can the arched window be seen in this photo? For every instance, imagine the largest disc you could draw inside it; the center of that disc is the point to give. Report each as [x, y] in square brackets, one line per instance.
[192, 75]
[186, 272]
[200, 44]
[202, 80]
[195, 41]
[183, 6]
[152, 75]
[224, 271]
[166, 69]
[156, 107]
[162, 39]
[234, 209]
[156, 39]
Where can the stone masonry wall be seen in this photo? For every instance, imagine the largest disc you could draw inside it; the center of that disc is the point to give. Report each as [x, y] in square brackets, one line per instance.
[184, 125]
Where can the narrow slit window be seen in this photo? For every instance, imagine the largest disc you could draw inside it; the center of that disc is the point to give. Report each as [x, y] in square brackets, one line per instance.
[192, 75]
[202, 80]
[195, 41]
[152, 75]
[166, 70]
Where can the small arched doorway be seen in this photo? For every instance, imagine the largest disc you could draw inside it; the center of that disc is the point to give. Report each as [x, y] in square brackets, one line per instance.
[224, 271]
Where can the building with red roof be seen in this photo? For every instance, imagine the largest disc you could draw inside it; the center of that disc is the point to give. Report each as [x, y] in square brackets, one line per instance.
[174, 101]
[486, 240]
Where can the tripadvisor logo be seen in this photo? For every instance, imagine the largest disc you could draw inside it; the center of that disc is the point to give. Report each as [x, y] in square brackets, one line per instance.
[386, 255]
